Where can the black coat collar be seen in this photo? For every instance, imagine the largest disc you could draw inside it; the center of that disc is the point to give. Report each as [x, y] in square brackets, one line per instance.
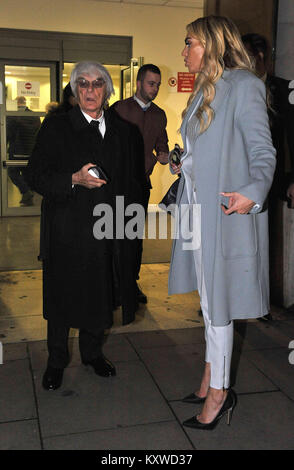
[77, 119]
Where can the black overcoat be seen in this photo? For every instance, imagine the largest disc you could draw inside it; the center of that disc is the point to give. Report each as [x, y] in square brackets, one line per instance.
[281, 118]
[84, 278]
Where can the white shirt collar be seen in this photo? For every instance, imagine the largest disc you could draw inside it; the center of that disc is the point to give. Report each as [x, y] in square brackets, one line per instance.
[101, 119]
[141, 103]
[89, 118]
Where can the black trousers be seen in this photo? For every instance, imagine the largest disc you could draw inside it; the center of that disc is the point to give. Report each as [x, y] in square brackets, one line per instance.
[90, 344]
[146, 197]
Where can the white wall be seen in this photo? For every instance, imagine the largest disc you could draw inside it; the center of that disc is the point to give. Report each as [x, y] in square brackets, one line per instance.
[158, 35]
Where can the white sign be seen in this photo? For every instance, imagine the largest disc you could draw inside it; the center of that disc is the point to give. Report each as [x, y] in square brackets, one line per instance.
[28, 88]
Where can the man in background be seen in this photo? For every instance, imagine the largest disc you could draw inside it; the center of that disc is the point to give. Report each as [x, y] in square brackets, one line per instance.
[280, 111]
[21, 135]
[151, 121]
[281, 119]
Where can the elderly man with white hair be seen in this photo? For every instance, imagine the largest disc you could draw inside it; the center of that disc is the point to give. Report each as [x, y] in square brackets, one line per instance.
[85, 277]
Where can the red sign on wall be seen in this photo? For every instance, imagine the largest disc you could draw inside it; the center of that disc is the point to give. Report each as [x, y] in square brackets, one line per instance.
[185, 82]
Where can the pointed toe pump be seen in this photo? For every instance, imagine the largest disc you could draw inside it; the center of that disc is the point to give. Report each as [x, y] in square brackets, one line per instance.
[228, 406]
[193, 398]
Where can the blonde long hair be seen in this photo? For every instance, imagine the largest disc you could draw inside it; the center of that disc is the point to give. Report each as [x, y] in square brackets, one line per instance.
[223, 48]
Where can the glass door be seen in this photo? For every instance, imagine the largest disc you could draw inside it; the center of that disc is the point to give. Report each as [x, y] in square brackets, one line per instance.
[129, 78]
[27, 89]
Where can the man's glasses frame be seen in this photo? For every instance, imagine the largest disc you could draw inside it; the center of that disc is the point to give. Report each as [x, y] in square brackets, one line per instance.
[97, 83]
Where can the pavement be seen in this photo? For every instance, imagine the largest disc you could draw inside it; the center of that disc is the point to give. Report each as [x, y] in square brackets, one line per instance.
[141, 408]
[159, 359]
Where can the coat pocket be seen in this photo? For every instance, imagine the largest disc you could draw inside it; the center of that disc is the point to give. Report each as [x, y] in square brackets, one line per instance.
[238, 235]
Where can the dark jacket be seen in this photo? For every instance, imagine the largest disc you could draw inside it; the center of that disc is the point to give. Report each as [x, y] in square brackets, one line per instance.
[21, 134]
[151, 123]
[281, 117]
[81, 272]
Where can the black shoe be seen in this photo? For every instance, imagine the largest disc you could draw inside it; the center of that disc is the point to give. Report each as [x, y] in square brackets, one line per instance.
[192, 398]
[27, 199]
[141, 297]
[266, 318]
[227, 407]
[52, 379]
[102, 366]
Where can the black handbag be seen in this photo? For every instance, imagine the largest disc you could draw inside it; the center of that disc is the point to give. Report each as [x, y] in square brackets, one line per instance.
[171, 195]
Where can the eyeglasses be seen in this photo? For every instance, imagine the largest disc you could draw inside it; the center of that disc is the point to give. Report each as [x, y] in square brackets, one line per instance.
[83, 83]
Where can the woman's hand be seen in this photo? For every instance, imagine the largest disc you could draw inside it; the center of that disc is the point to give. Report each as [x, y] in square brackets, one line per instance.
[83, 178]
[237, 203]
[176, 168]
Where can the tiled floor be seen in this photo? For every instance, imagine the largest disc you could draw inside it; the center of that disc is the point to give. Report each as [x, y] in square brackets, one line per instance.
[19, 242]
[21, 306]
[159, 359]
[141, 407]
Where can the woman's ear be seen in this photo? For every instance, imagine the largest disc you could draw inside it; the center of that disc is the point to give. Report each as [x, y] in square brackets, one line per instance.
[261, 56]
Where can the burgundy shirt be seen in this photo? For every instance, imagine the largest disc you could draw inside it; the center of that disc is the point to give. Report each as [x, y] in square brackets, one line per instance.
[151, 123]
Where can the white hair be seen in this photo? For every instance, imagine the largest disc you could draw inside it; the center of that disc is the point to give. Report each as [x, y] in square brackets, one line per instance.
[94, 69]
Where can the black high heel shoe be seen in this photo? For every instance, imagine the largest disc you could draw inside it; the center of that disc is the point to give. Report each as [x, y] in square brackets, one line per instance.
[228, 406]
[193, 398]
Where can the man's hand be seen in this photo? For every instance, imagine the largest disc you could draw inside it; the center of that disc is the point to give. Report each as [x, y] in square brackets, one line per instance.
[237, 203]
[290, 194]
[162, 157]
[83, 178]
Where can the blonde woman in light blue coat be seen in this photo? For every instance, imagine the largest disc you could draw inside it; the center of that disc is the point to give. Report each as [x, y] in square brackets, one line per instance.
[227, 169]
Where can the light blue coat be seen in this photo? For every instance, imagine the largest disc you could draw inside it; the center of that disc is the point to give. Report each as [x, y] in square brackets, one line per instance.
[234, 154]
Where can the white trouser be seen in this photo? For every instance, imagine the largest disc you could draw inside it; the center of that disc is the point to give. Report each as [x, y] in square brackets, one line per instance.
[219, 339]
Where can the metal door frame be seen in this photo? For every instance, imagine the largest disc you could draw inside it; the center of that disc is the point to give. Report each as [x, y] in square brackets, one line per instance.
[133, 76]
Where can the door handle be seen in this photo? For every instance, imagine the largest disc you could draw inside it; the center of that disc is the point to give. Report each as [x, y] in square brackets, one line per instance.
[14, 163]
